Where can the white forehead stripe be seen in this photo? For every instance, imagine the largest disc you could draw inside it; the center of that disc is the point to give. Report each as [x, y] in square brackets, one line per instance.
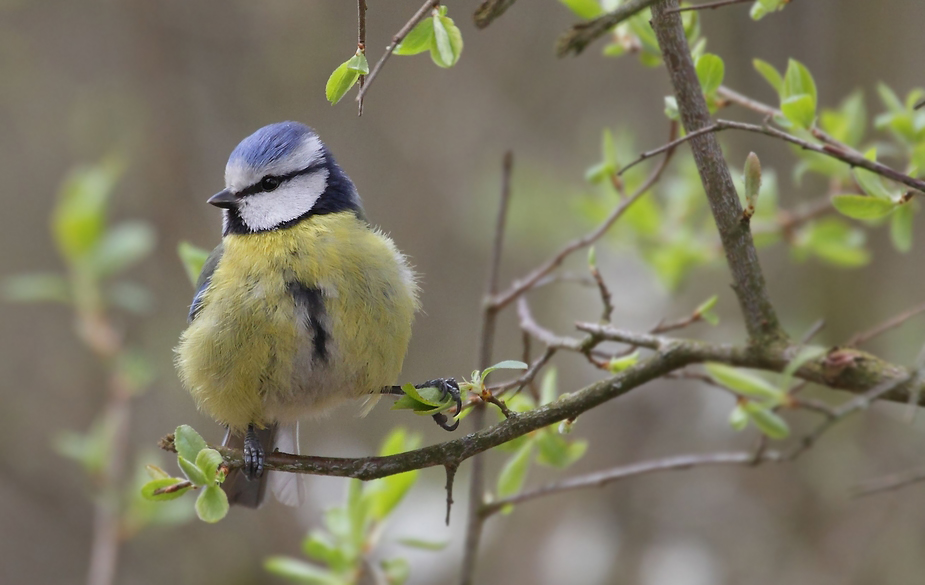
[293, 199]
[239, 175]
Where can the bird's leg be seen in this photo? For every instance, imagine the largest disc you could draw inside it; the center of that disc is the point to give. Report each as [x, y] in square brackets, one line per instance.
[254, 455]
[447, 386]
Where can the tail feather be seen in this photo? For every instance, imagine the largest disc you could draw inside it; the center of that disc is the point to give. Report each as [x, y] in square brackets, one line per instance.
[288, 488]
[240, 490]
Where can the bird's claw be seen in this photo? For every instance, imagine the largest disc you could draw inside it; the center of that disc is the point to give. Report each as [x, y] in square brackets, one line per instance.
[448, 388]
[254, 455]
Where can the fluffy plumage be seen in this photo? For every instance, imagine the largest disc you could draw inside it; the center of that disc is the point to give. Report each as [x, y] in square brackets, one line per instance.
[303, 305]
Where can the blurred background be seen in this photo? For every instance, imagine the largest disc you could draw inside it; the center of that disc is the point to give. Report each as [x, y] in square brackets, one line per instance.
[172, 86]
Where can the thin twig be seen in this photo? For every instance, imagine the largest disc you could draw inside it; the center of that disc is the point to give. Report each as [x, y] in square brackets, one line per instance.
[889, 483]
[361, 47]
[606, 297]
[603, 478]
[522, 285]
[708, 5]
[489, 319]
[887, 325]
[398, 38]
[846, 156]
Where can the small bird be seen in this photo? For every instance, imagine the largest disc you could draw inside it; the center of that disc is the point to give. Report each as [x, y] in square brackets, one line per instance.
[302, 306]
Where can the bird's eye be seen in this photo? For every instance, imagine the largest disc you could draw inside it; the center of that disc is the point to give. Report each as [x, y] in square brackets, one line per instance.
[269, 183]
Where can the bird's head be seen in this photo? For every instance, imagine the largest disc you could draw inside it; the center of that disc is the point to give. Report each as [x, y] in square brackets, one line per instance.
[280, 175]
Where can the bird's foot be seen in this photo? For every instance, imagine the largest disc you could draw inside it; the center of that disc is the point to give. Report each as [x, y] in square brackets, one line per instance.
[448, 388]
[254, 455]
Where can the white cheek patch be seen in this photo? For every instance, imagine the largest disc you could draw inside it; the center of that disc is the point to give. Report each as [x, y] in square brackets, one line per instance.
[239, 174]
[293, 199]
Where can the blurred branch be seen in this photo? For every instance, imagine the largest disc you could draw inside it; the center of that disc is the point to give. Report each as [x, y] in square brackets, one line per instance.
[749, 284]
[602, 478]
[889, 483]
[489, 320]
[398, 38]
[489, 10]
[887, 325]
[582, 34]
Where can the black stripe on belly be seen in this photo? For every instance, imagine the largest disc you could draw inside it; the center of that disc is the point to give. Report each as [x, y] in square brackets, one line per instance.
[309, 304]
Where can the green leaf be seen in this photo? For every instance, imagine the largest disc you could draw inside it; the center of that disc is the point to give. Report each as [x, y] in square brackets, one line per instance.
[359, 64]
[396, 571]
[208, 461]
[618, 364]
[130, 296]
[849, 123]
[862, 206]
[549, 388]
[39, 287]
[505, 365]
[188, 442]
[890, 99]
[514, 472]
[79, 217]
[800, 109]
[301, 572]
[155, 472]
[148, 489]
[799, 81]
[340, 82]
[743, 382]
[901, 227]
[193, 259]
[586, 9]
[710, 72]
[388, 492]
[870, 182]
[448, 43]
[122, 247]
[212, 504]
[423, 544]
[805, 355]
[193, 473]
[707, 305]
[836, 242]
[420, 39]
[770, 74]
[556, 451]
[767, 421]
[738, 418]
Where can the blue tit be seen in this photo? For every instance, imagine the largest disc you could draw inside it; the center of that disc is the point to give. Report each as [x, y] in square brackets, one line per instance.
[302, 306]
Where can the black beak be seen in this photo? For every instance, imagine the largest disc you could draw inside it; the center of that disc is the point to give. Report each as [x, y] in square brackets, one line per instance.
[224, 199]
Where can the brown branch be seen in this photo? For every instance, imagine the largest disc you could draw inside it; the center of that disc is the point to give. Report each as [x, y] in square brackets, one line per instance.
[361, 47]
[708, 5]
[603, 478]
[889, 483]
[749, 284]
[522, 285]
[398, 38]
[489, 320]
[606, 297]
[582, 34]
[489, 10]
[887, 325]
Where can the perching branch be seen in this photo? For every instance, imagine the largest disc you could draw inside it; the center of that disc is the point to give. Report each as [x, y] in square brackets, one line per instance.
[396, 40]
[583, 34]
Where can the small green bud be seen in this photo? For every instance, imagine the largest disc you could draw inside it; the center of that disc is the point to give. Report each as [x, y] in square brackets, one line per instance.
[592, 257]
[752, 183]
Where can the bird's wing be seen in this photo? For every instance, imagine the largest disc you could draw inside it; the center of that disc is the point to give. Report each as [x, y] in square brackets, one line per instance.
[205, 277]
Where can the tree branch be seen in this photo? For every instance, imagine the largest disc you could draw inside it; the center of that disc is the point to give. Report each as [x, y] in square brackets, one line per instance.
[489, 10]
[361, 46]
[749, 285]
[398, 38]
[603, 478]
[583, 34]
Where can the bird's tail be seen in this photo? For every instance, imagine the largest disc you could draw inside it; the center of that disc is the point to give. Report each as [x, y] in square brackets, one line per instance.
[288, 488]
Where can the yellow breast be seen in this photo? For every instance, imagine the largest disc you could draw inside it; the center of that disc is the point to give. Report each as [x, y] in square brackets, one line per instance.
[248, 358]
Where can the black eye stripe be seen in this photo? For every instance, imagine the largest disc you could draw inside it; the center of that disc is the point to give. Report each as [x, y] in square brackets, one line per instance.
[260, 188]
